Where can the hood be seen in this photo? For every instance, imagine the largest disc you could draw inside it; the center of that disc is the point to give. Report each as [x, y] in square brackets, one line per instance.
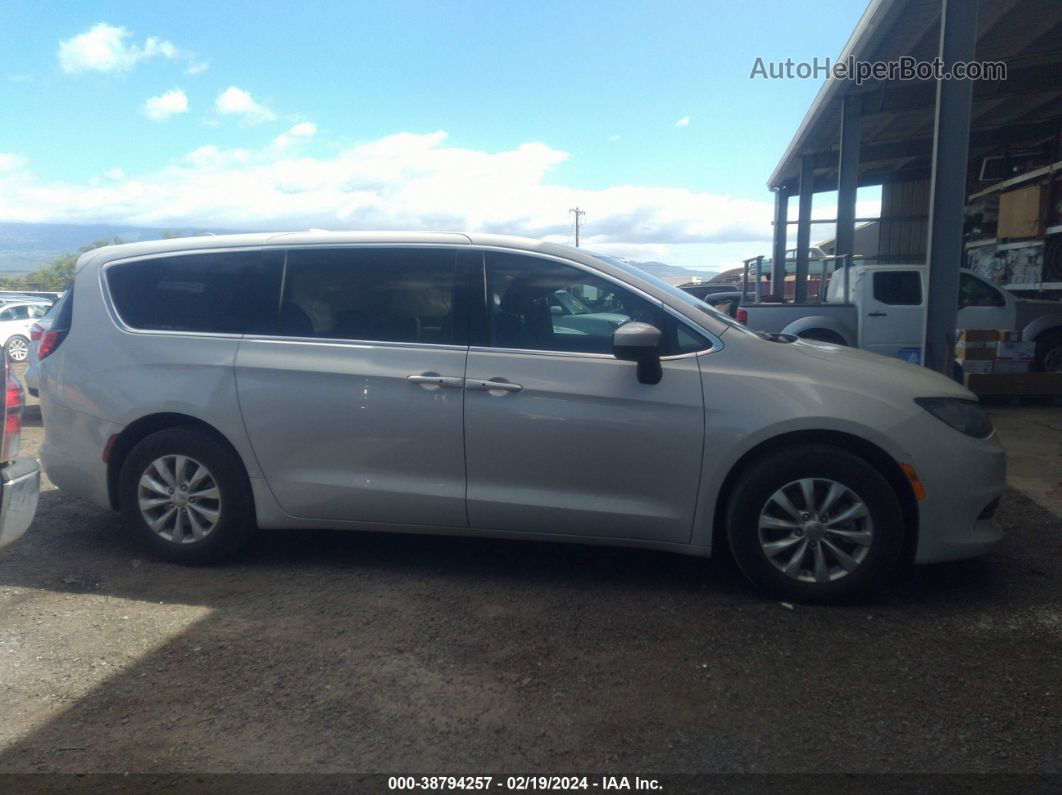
[886, 372]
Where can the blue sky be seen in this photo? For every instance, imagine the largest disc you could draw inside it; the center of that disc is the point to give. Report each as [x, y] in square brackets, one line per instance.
[489, 115]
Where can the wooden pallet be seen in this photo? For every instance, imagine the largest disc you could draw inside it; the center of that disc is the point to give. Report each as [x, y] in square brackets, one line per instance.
[1015, 385]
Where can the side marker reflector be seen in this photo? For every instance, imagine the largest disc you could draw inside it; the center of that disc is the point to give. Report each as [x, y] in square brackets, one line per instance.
[916, 483]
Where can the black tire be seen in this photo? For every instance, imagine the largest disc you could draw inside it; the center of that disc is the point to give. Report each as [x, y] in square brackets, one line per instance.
[823, 335]
[235, 523]
[764, 477]
[22, 344]
[1049, 352]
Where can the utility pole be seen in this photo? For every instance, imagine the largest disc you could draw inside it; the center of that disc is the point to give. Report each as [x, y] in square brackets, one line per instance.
[578, 213]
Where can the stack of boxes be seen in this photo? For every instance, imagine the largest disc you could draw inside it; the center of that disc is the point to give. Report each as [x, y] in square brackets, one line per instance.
[985, 351]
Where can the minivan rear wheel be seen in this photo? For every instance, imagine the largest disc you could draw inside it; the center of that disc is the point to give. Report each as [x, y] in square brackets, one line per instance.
[815, 524]
[186, 495]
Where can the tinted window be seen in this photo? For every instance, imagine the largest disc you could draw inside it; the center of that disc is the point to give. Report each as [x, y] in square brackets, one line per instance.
[898, 288]
[229, 292]
[380, 295]
[974, 292]
[539, 304]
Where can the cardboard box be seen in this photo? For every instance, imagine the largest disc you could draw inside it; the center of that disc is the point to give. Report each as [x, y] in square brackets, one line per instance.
[979, 353]
[1005, 366]
[965, 336]
[976, 366]
[1022, 212]
[1016, 351]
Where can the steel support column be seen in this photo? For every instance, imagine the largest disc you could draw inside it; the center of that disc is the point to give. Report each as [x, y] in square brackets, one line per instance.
[947, 191]
[848, 175]
[807, 192]
[781, 229]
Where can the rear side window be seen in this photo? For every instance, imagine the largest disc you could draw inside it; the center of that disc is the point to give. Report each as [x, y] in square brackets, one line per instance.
[373, 294]
[219, 292]
[898, 288]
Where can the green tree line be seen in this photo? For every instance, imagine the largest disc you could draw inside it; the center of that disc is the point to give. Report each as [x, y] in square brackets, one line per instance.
[59, 273]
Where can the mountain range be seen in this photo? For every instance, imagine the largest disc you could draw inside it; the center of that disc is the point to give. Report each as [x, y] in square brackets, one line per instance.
[26, 246]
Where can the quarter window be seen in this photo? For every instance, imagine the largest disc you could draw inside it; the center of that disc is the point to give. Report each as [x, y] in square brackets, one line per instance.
[540, 304]
[377, 295]
[219, 292]
[898, 288]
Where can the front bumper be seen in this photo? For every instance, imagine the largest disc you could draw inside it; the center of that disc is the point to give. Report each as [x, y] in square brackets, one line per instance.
[20, 482]
[962, 478]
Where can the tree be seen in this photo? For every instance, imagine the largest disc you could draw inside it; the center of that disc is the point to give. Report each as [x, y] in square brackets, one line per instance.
[59, 273]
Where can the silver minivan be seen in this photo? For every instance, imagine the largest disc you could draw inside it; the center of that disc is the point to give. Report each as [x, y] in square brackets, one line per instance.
[478, 384]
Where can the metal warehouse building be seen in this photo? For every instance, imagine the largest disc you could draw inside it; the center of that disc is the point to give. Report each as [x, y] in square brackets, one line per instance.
[970, 170]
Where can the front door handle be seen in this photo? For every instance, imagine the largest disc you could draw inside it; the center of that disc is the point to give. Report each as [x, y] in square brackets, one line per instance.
[878, 314]
[432, 381]
[494, 386]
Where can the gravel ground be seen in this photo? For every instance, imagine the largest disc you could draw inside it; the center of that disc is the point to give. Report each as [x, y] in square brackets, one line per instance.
[328, 651]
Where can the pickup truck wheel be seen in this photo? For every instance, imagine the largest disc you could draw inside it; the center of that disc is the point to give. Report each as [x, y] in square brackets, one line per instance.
[186, 495]
[1049, 352]
[815, 524]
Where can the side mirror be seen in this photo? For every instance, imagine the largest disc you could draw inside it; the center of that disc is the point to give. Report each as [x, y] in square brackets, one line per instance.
[555, 310]
[640, 342]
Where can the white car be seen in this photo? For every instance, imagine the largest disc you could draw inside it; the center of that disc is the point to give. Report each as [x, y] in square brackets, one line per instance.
[16, 320]
[210, 387]
[37, 330]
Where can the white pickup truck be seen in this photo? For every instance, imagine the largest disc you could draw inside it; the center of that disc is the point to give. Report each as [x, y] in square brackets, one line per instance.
[885, 308]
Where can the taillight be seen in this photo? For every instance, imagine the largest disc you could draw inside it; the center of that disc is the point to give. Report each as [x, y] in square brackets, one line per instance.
[742, 316]
[36, 332]
[50, 340]
[13, 404]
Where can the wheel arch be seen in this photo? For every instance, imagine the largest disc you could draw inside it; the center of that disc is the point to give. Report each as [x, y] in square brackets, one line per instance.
[1045, 324]
[867, 450]
[133, 433]
[824, 323]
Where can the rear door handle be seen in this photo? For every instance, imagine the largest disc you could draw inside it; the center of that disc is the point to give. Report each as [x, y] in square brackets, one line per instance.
[494, 386]
[432, 381]
[878, 314]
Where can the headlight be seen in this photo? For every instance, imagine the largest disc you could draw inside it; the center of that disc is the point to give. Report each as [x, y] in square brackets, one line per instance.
[965, 416]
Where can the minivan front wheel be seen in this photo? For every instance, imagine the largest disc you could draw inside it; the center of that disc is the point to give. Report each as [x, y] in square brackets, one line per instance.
[185, 494]
[815, 524]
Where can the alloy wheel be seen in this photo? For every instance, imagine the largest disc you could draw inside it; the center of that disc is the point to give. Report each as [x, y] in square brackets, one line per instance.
[179, 499]
[815, 530]
[18, 350]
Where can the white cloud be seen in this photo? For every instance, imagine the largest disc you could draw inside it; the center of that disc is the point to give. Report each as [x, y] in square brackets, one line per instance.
[683, 122]
[104, 48]
[196, 68]
[235, 101]
[9, 161]
[401, 181]
[302, 130]
[165, 105]
[615, 137]
[114, 173]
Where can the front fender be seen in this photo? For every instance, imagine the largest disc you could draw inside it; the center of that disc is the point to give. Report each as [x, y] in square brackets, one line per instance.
[797, 327]
[1041, 325]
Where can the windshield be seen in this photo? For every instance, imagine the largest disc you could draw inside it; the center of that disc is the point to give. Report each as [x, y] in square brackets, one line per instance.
[571, 304]
[676, 293]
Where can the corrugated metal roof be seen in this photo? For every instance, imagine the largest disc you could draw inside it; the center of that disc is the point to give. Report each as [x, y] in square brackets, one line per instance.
[898, 117]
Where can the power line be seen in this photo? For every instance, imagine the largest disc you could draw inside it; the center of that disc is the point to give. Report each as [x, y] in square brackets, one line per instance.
[578, 213]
